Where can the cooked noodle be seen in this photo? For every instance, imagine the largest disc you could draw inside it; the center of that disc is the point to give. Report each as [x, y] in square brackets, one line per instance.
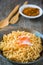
[21, 53]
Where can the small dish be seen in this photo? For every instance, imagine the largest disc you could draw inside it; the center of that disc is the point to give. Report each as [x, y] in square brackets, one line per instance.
[33, 6]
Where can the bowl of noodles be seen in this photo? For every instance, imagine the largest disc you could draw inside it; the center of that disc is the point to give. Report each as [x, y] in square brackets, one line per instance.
[20, 46]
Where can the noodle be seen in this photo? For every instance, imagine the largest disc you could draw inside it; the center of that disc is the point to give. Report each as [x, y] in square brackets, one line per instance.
[21, 52]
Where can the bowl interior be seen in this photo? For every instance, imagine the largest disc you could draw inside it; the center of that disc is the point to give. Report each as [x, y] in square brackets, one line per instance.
[14, 28]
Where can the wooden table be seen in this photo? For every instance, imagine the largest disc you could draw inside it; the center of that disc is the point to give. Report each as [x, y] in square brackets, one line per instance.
[6, 7]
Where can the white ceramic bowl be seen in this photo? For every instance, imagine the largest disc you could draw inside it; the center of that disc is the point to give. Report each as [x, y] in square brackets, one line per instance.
[30, 5]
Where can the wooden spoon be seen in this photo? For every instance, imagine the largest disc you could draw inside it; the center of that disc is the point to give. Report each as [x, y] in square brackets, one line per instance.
[16, 17]
[5, 22]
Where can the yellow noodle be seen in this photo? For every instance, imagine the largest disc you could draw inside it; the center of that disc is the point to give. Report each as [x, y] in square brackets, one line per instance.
[17, 53]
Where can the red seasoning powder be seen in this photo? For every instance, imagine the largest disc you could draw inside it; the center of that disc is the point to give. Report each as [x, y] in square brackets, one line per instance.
[24, 40]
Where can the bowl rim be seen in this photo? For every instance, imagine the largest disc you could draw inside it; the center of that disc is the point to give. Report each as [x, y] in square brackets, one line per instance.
[30, 5]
